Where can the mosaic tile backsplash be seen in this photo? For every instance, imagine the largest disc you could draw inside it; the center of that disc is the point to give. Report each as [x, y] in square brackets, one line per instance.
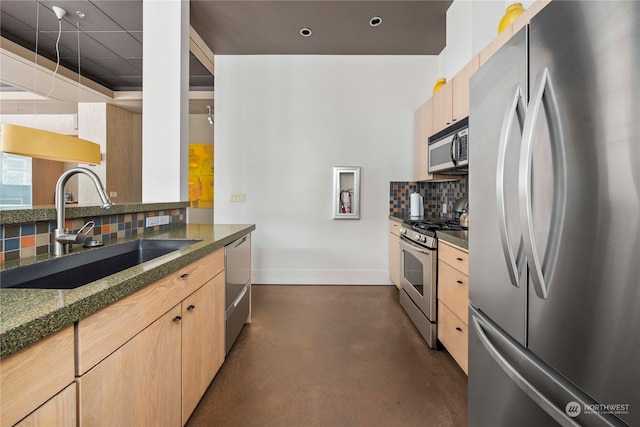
[31, 239]
[435, 194]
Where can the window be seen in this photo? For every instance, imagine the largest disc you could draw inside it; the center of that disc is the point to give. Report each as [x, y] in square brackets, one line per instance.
[15, 181]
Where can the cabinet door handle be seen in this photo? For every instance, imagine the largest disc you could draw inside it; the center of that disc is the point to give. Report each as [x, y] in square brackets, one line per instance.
[177, 319]
[184, 276]
[459, 259]
[458, 328]
[191, 307]
[460, 281]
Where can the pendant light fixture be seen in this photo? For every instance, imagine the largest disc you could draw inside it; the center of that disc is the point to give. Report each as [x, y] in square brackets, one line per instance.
[41, 144]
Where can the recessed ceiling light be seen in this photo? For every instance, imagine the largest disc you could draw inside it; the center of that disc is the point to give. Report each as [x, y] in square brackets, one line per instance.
[305, 32]
[375, 21]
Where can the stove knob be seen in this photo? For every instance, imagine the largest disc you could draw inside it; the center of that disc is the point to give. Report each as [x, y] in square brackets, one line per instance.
[417, 237]
[422, 239]
[403, 230]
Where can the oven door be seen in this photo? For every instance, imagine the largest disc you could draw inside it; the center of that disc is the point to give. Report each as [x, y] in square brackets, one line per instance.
[418, 276]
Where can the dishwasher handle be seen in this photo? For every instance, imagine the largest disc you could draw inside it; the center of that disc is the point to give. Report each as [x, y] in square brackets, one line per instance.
[235, 303]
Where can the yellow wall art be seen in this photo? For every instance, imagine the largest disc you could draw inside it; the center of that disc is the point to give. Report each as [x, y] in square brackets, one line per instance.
[201, 175]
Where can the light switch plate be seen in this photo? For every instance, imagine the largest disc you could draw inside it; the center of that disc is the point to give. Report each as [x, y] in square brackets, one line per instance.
[163, 219]
[444, 208]
[236, 197]
[151, 221]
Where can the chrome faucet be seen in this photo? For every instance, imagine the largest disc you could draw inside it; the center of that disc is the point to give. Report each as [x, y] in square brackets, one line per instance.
[63, 238]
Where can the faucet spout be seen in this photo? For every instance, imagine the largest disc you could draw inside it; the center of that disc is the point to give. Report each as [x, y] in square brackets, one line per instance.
[61, 240]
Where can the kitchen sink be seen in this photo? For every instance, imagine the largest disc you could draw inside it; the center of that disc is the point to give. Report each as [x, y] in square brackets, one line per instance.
[73, 271]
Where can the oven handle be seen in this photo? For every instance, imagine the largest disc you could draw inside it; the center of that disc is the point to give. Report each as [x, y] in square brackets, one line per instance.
[414, 247]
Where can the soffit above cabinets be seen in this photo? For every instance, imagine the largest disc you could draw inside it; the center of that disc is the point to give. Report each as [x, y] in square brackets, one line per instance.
[339, 27]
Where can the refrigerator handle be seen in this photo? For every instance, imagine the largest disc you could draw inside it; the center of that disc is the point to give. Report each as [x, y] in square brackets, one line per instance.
[515, 109]
[536, 379]
[542, 95]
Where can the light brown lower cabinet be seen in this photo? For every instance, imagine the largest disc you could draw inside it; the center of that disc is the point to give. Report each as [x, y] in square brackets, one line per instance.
[138, 384]
[158, 377]
[60, 410]
[453, 301]
[32, 379]
[173, 348]
[202, 341]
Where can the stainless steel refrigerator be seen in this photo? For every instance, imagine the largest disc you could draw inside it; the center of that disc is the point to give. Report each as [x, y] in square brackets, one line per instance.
[554, 175]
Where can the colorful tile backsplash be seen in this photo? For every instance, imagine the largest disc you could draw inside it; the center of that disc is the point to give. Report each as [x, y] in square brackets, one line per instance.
[435, 194]
[31, 239]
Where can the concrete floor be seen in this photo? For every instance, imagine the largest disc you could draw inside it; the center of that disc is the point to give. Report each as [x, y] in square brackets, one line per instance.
[333, 356]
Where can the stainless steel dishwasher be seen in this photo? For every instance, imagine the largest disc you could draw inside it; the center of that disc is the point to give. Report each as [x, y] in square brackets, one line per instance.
[237, 264]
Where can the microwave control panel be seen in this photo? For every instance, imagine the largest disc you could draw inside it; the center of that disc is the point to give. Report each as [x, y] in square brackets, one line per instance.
[463, 152]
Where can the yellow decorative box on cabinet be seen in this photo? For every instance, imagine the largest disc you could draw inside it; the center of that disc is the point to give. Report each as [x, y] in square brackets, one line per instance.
[439, 83]
[510, 14]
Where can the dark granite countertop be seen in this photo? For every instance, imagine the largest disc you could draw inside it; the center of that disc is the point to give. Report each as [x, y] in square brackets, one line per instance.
[48, 213]
[458, 238]
[28, 315]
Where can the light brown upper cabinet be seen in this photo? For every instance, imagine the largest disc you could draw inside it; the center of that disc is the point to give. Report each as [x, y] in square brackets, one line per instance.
[451, 102]
[443, 107]
[460, 88]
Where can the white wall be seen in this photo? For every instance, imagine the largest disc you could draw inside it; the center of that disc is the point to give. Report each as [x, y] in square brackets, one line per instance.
[282, 123]
[471, 25]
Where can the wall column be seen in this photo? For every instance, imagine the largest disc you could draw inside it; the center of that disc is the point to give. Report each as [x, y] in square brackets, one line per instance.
[165, 100]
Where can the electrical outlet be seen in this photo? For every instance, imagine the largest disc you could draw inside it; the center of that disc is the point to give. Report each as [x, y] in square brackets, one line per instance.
[163, 220]
[151, 221]
[113, 194]
[236, 197]
[444, 208]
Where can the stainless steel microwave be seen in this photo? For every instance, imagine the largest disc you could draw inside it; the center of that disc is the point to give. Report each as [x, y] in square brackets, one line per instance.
[449, 149]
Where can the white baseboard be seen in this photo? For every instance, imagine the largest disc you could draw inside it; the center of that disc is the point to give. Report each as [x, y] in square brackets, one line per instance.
[320, 277]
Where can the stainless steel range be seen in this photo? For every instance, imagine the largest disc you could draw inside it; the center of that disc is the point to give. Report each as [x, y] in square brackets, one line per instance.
[418, 274]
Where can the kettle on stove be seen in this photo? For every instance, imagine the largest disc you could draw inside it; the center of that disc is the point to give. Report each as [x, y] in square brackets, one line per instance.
[461, 207]
[464, 219]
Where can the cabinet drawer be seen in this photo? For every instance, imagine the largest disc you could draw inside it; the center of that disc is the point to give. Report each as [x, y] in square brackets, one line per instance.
[454, 256]
[35, 374]
[106, 330]
[453, 290]
[454, 335]
[394, 228]
[60, 410]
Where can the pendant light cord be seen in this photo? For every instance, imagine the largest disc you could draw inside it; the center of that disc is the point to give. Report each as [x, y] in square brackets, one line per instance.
[53, 76]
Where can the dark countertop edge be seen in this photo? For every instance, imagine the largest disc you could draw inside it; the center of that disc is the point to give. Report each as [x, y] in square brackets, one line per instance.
[48, 213]
[23, 335]
[455, 238]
